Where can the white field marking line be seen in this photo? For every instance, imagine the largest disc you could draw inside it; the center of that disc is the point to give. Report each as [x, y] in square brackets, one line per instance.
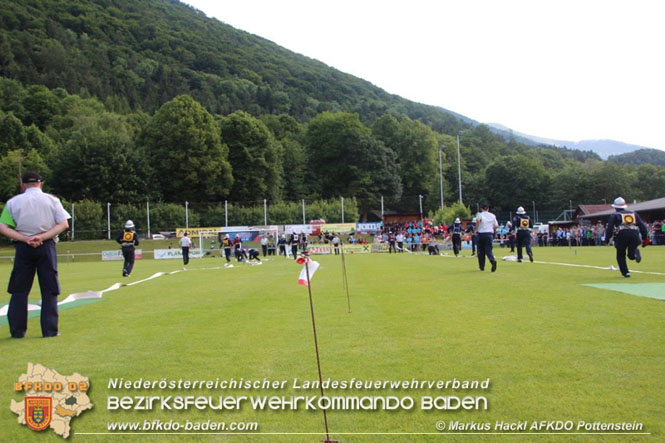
[98, 294]
[602, 268]
[607, 268]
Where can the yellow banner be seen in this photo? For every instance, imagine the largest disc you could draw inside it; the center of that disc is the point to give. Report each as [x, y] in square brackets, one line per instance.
[194, 232]
[338, 227]
[358, 249]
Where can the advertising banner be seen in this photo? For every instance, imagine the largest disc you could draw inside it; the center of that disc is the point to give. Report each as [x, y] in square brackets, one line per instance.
[358, 249]
[290, 229]
[194, 232]
[369, 228]
[116, 255]
[167, 254]
[379, 247]
[245, 236]
[319, 250]
[338, 227]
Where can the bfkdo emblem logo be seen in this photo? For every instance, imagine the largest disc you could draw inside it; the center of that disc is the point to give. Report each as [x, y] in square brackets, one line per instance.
[38, 412]
[628, 219]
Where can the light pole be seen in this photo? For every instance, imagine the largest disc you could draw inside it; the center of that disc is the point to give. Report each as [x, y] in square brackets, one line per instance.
[420, 200]
[459, 170]
[441, 172]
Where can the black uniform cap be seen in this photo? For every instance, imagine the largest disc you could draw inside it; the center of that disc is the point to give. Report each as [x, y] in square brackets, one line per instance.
[31, 177]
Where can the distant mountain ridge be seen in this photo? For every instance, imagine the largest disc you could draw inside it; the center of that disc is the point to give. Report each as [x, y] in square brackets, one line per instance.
[604, 148]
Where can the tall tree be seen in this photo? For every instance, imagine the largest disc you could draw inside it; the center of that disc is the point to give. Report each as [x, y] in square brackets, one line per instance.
[343, 159]
[189, 160]
[255, 157]
[514, 180]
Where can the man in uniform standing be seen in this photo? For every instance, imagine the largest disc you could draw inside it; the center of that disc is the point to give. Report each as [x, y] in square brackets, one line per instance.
[522, 224]
[487, 225]
[185, 244]
[626, 227]
[33, 219]
[128, 240]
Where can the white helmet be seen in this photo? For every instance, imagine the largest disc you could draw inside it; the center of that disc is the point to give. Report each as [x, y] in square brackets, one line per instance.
[521, 210]
[457, 220]
[619, 203]
[129, 224]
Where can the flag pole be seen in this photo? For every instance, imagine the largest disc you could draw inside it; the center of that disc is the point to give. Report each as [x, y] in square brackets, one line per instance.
[345, 281]
[316, 344]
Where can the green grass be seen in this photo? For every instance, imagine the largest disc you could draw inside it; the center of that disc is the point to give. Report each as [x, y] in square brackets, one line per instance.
[552, 348]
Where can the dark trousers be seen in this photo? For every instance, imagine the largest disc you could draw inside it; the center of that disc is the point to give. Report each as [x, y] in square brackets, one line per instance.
[523, 241]
[294, 250]
[185, 254]
[227, 254]
[391, 247]
[128, 255]
[457, 243]
[474, 243]
[265, 249]
[485, 249]
[626, 240]
[27, 260]
[282, 250]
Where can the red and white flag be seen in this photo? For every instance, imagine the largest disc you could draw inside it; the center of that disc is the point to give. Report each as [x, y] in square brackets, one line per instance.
[313, 266]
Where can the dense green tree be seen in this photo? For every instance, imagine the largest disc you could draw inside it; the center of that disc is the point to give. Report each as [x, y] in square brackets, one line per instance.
[650, 183]
[570, 185]
[255, 157]
[188, 158]
[514, 180]
[16, 162]
[343, 159]
[416, 147]
[100, 162]
[610, 180]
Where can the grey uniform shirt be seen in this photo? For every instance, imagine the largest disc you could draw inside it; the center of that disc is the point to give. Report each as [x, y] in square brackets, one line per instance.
[34, 212]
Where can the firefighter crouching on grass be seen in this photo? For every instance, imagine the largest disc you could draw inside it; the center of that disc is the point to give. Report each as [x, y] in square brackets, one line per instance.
[626, 227]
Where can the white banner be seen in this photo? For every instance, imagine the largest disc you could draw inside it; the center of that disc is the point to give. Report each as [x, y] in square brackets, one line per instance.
[116, 255]
[300, 229]
[167, 254]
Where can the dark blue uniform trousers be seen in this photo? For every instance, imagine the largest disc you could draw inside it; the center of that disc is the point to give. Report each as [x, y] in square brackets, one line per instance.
[485, 249]
[128, 255]
[523, 241]
[27, 260]
[626, 240]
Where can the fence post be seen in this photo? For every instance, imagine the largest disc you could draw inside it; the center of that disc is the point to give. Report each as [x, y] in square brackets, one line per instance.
[226, 213]
[108, 220]
[342, 209]
[73, 218]
[147, 210]
[187, 214]
[303, 212]
[265, 212]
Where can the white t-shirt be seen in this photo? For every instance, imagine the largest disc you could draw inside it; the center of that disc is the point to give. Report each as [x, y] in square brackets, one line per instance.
[185, 242]
[486, 222]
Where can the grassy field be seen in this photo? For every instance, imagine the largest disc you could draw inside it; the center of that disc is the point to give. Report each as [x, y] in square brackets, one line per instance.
[552, 348]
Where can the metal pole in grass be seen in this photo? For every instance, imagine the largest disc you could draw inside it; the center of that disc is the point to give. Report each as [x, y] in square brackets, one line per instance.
[345, 282]
[304, 259]
[73, 221]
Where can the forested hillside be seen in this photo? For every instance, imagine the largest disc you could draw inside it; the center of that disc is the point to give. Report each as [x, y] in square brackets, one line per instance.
[640, 157]
[132, 101]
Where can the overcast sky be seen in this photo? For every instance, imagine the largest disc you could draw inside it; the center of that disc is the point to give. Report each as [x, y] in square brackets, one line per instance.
[564, 69]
